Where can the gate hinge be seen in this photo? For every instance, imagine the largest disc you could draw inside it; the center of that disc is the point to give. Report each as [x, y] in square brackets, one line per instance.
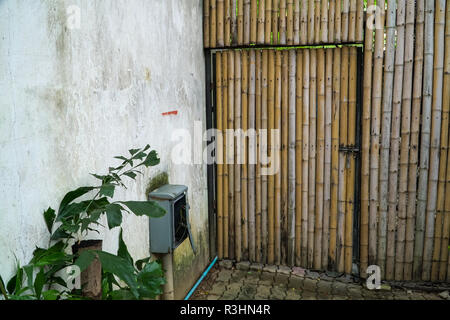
[349, 149]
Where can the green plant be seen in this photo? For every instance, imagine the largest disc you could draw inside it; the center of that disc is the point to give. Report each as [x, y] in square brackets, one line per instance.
[41, 277]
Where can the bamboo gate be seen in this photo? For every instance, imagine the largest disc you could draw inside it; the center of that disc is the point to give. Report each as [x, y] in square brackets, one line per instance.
[363, 145]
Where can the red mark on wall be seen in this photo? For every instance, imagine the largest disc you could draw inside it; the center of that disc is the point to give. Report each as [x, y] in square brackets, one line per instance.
[174, 113]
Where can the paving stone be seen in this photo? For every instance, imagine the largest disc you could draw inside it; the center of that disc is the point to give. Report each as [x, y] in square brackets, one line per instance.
[324, 276]
[256, 266]
[238, 276]
[277, 293]
[284, 270]
[324, 296]
[354, 291]
[233, 287]
[218, 288]
[213, 297]
[298, 271]
[444, 295]
[270, 268]
[292, 295]
[324, 287]
[281, 278]
[224, 275]
[312, 275]
[337, 297]
[431, 296]
[346, 278]
[251, 279]
[403, 296]
[295, 282]
[339, 288]
[258, 297]
[307, 295]
[416, 296]
[228, 264]
[333, 274]
[266, 278]
[264, 291]
[228, 296]
[243, 265]
[309, 284]
[248, 291]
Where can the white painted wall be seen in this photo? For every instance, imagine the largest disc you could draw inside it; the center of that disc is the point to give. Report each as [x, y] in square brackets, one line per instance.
[71, 100]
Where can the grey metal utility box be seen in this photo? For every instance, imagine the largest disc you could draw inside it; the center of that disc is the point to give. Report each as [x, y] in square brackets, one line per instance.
[169, 231]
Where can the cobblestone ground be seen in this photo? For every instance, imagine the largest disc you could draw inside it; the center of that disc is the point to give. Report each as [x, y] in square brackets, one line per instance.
[246, 281]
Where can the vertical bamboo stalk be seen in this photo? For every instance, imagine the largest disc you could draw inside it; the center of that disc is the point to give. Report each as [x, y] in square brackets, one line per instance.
[327, 160]
[244, 167]
[234, 23]
[240, 22]
[277, 149]
[425, 140]
[247, 21]
[282, 18]
[324, 19]
[311, 20]
[258, 182]
[296, 36]
[317, 22]
[290, 21]
[275, 8]
[360, 21]
[213, 24]
[230, 154]
[352, 21]
[227, 28]
[284, 155]
[365, 146]
[220, 23]
[263, 145]
[414, 144]
[331, 23]
[312, 157]
[436, 115]
[238, 155]
[305, 158]
[298, 156]
[444, 176]
[253, 21]
[261, 21]
[271, 147]
[268, 22]
[335, 125]
[345, 20]
[206, 23]
[405, 139]
[304, 22]
[351, 162]
[342, 180]
[320, 157]
[225, 152]
[219, 155]
[338, 21]
[251, 156]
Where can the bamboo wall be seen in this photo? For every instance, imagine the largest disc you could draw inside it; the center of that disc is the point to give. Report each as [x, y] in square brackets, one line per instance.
[281, 22]
[302, 215]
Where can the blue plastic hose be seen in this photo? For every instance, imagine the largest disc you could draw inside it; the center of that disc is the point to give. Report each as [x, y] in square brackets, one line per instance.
[201, 279]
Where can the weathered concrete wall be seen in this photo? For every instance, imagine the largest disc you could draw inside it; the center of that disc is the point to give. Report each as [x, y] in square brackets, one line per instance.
[71, 99]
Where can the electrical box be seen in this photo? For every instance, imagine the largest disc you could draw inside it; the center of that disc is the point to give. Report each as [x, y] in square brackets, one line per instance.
[170, 230]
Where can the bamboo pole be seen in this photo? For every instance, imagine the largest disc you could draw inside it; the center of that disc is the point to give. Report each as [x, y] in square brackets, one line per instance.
[282, 18]
[213, 24]
[324, 24]
[338, 21]
[327, 160]
[277, 149]
[311, 20]
[268, 22]
[234, 23]
[335, 125]
[290, 22]
[350, 175]
[264, 152]
[271, 147]
[227, 28]
[360, 21]
[238, 155]
[206, 23]
[240, 22]
[244, 167]
[425, 140]
[284, 155]
[220, 23]
[296, 36]
[219, 156]
[253, 21]
[395, 143]
[342, 180]
[261, 21]
[320, 158]
[312, 157]
[414, 143]
[258, 180]
[405, 139]
[251, 156]
[247, 21]
[331, 18]
[365, 149]
[304, 23]
[225, 152]
[275, 8]
[375, 134]
[305, 158]
[445, 176]
[385, 133]
[352, 21]
[230, 154]
[317, 21]
[436, 115]
[298, 156]
[345, 20]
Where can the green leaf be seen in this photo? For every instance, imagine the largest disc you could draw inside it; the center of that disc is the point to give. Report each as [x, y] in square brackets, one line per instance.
[60, 234]
[11, 285]
[50, 295]
[151, 160]
[130, 174]
[85, 259]
[140, 263]
[150, 280]
[122, 294]
[123, 250]
[49, 217]
[114, 215]
[107, 190]
[39, 283]
[133, 151]
[72, 195]
[98, 205]
[53, 258]
[3, 289]
[29, 273]
[72, 210]
[147, 208]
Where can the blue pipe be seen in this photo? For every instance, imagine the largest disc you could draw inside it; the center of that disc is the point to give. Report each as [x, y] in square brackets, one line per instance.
[201, 279]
